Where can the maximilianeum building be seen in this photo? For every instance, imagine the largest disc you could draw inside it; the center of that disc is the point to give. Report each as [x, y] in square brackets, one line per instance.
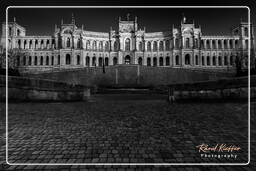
[75, 47]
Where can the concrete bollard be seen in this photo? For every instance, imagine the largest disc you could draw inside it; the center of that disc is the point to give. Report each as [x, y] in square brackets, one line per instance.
[86, 94]
[171, 97]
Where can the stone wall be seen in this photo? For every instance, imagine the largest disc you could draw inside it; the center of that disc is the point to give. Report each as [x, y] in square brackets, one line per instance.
[234, 88]
[130, 75]
[29, 89]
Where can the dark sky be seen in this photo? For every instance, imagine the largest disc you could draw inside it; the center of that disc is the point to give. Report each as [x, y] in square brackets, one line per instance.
[213, 21]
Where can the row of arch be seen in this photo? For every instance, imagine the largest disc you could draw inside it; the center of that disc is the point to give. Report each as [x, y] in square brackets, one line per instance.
[148, 46]
[36, 44]
[221, 44]
[155, 61]
[38, 60]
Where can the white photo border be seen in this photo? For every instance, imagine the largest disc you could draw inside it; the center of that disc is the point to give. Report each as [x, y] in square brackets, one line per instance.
[159, 164]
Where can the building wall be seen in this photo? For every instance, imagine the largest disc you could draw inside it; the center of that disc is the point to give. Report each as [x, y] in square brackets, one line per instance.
[73, 47]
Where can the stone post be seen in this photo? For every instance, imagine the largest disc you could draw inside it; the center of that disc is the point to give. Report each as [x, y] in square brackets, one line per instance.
[171, 97]
[86, 93]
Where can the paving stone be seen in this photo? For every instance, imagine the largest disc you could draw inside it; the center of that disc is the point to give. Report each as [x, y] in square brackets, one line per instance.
[123, 131]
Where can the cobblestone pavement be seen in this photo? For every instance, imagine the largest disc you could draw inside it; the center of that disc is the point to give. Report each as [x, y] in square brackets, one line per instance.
[123, 130]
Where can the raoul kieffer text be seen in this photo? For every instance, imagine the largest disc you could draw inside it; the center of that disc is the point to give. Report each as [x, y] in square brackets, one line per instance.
[217, 148]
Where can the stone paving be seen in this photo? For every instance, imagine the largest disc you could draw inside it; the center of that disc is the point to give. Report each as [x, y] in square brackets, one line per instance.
[123, 130]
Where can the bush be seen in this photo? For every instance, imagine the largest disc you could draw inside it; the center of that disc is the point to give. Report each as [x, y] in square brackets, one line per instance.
[11, 72]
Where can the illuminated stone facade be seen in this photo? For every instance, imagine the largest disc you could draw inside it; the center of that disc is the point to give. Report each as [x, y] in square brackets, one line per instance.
[73, 47]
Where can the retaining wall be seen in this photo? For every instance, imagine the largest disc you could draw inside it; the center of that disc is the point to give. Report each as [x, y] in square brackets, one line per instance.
[234, 88]
[131, 76]
[30, 89]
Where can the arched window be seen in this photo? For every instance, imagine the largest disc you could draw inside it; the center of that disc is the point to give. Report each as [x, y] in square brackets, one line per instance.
[202, 44]
[140, 46]
[127, 59]
[187, 59]
[187, 43]
[161, 61]
[42, 60]
[18, 60]
[177, 43]
[18, 32]
[197, 60]
[78, 59]
[177, 60]
[68, 59]
[94, 45]
[68, 42]
[47, 60]
[58, 59]
[48, 44]
[154, 46]
[219, 44]
[196, 43]
[140, 61]
[225, 60]
[79, 43]
[87, 61]
[154, 61]
[116, 46]
[35, 60]
[25, 44]
[246, 44]
[220, 61]
[10, 31]
[19, 43]
[42, 44]
[52, 60]
[208, 60]
[100, 61]
[87, 45]
[236, 44]
[24, 60]
[203, 62]
[231, 44]
[29, 60]
[232, 60]
[214, 44]
[101, 46]
[127, 44]
[53, 44]
[149, 46]
[167, 45]
[246, 32]
[167, 61]
[94, 61]
[208, 44]
[30, 44]
[115, 61]
[106, 46]
[225, 44]
[106, 61]
[214, 60]
[161, 46]
[36, 44]
[148, 61]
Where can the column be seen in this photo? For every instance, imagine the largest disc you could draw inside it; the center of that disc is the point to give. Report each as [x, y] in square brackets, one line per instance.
[222, 44]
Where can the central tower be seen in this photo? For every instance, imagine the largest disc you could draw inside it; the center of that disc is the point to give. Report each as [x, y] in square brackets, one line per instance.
[127, 37]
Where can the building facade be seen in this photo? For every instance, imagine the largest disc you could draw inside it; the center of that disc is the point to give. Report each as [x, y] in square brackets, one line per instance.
[73, 47]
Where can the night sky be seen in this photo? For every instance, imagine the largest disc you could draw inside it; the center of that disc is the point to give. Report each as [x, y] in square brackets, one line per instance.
[213, 21]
